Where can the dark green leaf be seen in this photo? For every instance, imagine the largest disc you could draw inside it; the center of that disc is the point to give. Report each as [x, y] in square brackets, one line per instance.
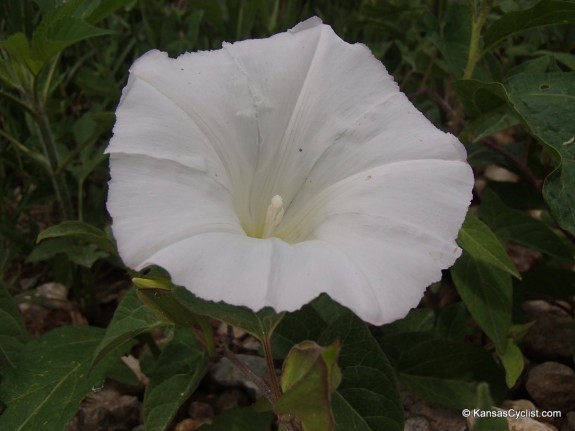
[536, 283]
[452, 322]
[303, 324]
[55, 35]
[178, 372]
[487, 293]
[543, 102]
[260, 324]
[367, 398]
[166, 306]
[241, 419]
[442, 371]
[517, 226]
[84, 255]
[131, 318]
[52, 378]
[82, 231]
[482, 244]
[546, 12]
[13, 335]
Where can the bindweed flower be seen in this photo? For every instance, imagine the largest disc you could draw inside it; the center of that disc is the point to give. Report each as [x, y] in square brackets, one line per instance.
[272, 170]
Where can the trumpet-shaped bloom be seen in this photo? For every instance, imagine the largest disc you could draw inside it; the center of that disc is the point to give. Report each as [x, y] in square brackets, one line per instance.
[272, 170]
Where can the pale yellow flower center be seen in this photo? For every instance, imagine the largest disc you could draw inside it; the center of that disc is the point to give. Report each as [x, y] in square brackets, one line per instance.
[274, 215]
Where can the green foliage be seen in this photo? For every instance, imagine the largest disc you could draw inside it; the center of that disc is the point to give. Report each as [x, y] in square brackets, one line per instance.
[442, 371]
[13, 335]
[367, 398]
[310, 374]
[54, 371]
[176, 375]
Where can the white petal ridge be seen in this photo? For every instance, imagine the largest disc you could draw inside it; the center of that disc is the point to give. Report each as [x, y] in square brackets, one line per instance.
[373, 195]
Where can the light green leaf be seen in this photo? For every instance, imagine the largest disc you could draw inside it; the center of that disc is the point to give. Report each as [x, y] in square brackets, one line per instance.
[18, 48]
[367, 398]
[485, 403]
[482, 244]
[310, 374]
[517, 226]
[131, 319]
[486, 291]
[546, 12]
[178, 372]
[82, 231]
[442, 371]
[512, 360]
[13, 334]
[260, 324]
[241, 419]
[53, 376]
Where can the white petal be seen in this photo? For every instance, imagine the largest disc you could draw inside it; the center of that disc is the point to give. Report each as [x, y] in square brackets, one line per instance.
[258, 273]
[159, 202]
[195, 110]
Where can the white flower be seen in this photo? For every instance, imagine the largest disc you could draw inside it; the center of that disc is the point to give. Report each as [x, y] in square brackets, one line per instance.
[272, 170]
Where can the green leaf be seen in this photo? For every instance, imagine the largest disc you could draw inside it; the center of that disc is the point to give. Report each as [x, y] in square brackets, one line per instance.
[52, 36]
[517, 226]
[367, 398]
[481, 98]
[417, 320]
[452, 322]
[240, 419]
[536, 283]
[482, 244]
[18, 48]
[310, 374]
[83, 255]
[82, 231]
[303, 324]
[13, 334]
[105, 8]
[543, 101]
[52, 378]
[452, 39]
[546, 12]
[512, 360]
[488, 124]
[178, 372]
[165, 306]
[260, 324]
[442, 371]
[131, 319]
[484, 404]
[486, 291]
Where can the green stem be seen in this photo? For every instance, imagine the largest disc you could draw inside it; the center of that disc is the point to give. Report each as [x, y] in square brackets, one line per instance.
[274, 382]
[207, 336]
[49, 149]
[478, 21]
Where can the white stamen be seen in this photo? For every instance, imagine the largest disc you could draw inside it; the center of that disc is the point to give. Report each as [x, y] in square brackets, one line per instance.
[274, 215]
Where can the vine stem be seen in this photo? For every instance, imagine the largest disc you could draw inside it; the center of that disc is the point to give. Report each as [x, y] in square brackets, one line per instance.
[50, 152]
[473, 56]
